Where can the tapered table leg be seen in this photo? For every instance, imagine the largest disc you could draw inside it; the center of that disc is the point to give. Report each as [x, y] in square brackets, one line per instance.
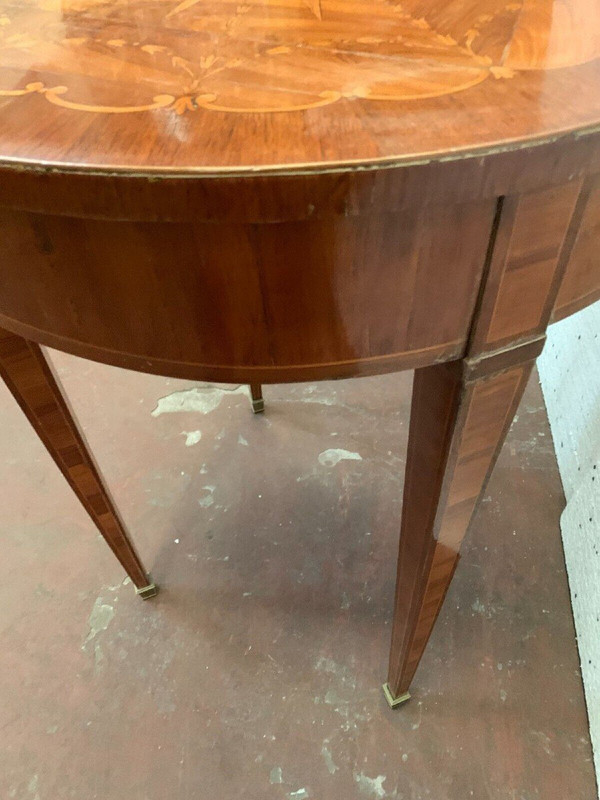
[460, 417]
[34, 386]
[258, 404]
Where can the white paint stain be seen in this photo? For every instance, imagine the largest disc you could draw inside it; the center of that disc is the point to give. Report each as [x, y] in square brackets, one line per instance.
[99, 619]
[329, 458]
[371, 787]
[478, 606]
[332, 699]
[485, 611]
[98, 657]
[416, 725]
[117, 586]
[307, 476]
[32, 787]
[343, 672]
[276, 775]
[322, 401]
[299, 794]
[328, 758]
[201, 400]
[352, 717]
[243, 441]
[208, 499]
[191, 437]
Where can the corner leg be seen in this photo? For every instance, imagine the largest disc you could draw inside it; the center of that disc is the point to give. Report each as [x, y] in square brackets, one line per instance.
[258, 404]
[36, 389]
[459, 420]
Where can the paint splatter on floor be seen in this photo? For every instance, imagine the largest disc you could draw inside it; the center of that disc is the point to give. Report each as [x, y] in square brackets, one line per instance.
[333, 456]
[256, 672]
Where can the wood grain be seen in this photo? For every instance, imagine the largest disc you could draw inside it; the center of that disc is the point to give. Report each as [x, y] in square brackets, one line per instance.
[462, 411]
[457, 428]
[289, 82]
[249, 303]
[28, 375]
[531, 249]
[581, 282]
[286, 190]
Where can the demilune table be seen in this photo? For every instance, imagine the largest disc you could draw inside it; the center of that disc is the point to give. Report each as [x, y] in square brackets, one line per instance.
[265, 191]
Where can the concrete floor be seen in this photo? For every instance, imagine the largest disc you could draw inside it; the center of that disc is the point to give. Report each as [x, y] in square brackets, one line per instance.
[256, 673]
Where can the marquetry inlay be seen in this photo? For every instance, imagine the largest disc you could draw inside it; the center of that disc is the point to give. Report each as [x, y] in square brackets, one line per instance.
[278, 55]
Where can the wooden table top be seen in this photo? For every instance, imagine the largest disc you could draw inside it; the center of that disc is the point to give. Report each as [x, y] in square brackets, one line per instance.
[205, 85]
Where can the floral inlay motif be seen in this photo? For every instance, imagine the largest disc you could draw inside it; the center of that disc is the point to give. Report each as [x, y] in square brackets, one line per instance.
[277, 55]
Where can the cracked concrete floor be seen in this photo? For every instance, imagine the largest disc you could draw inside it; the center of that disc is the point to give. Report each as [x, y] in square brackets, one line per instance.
[256, 672]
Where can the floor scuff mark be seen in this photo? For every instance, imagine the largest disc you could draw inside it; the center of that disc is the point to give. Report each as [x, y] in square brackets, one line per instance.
[208, 499]
[329, 458]
[191, 437]
[323, 664]
[32, 787]
[201, 400]
[332, 767]
[371, 787]
[99, 619]
[276, 775]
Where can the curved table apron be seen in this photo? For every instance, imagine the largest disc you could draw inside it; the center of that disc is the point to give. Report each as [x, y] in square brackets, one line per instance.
[185, 235]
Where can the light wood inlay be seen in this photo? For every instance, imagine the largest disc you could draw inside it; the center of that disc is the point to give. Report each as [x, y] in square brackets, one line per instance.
[335, 78]
[581, 282]
[523, 280]
[457, 429]
[272, 55]
[29, 377]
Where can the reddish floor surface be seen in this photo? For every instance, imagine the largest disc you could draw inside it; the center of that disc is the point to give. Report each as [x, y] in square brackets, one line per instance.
[256, 673]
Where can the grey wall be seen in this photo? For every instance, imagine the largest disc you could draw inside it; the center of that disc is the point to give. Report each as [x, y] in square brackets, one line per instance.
[569, 371]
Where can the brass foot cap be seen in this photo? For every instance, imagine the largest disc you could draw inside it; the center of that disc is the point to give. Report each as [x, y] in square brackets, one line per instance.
[258, 406]
[394, 702]
[147, 591]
